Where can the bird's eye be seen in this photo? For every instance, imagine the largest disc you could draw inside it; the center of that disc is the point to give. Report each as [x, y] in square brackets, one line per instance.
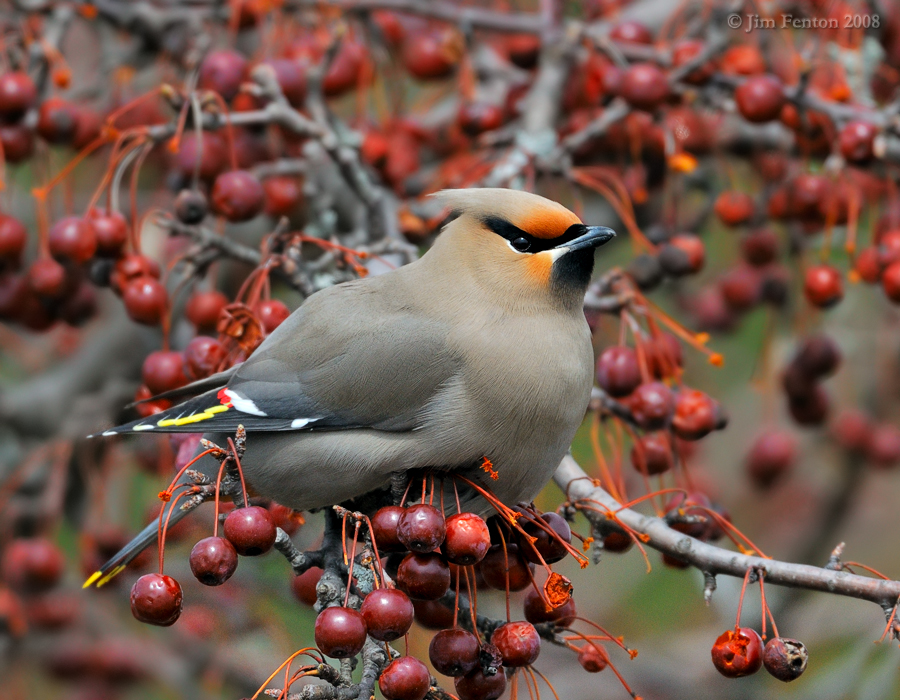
[521, 244]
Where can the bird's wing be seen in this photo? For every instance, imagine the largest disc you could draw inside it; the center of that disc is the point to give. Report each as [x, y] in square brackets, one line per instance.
[346, 359]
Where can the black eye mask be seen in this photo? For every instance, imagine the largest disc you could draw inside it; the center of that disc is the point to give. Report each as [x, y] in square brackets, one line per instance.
[524, 242]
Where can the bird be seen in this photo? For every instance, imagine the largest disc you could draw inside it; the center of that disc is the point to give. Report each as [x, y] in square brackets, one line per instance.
[476, 353]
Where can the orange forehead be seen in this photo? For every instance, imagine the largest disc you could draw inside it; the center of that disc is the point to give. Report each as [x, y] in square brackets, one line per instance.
[544, 222]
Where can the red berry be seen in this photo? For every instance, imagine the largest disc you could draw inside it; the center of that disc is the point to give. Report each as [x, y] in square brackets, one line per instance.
[304, 585]
[156, 599]
[537, 611]
[222, 72]
[593, 658]
[617, 543]
[477, 686]
[734, 208]
[785, 659]
[644, 86]
[550, 548]
[284, 195]
[431, 55]
[421, 528]
[807, 194]
[652, 453]
[211, 158]
[631, 32]
[213, 560]
[203, 356]
[388, 613]
[856, 140]
[57, 121]
[423, 576]
[271, 314]
[145, 300]
[432, 615]
[291, 78]
[664, 355]
[32, 565]
[759, 247]
[163, 371]
[13, 238]
[683, 254]
[868, 265]
[467, 540]
[17, 141]
[523, 50]
[883, 449]
[384, 527]
[47, 278]
[696, 415]
[738, 653]
[250, 530]
[191, 207]
[852, 430]
[760, 98]
[111, 231]
[823, 286]
[684, 52]
[148, 408]
[817, 357]
[618, 372]
[340, 632]
[454, 652]
[743, 59]
[741, 288]
[810, 409]
[771, 456]
[518, 642]
[17, 95]
[652, 405]
[129, 268]
[475, 118]
[346, 69]
[890, 282]
[405, 678]
[238, 195]
[498, 565]
[73, 239]
[203, 309]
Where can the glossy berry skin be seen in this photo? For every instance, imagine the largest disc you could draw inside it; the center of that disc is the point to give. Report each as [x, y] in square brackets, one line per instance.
[823, 286]
[163, 370]
[738, 653]
[203, 309]
[145, 300]
[618, 372]
[454, 652]
[477, 686]
[73, 238]
[537, 611]
[644, 86]
[156, 599]
[785, 658]
[238, 195]
[129, 268]
[548, 547]
[518, 642]
[696, 415]
[405, 678]
[388, 613]
[340, 632]
[423, 576]
[631, 32]
[856, 140]
[213, 560]
[684, 52]
[283, 195]
[222, 72]
[652, 453]
[191, 207]
[497, 565]
[203, 356]
[384, 526]
[421, 528]
[430, 55]
[432, 615]
[17, 95]
[111, 231]
[593, 658]
[47, 278]
[17, 141]
[271, 314]
[57, 121]
[771, 456]
[652, 405]
[890, 282]
[13, 238]
[304, 586]
[251, 530]
[467, 540]
[760, 98]
[32, 565]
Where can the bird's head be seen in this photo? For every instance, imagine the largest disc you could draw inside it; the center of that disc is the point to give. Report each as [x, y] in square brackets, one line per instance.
[526, 242]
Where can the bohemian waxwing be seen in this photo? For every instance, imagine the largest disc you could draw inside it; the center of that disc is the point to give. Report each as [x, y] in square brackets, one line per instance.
[479, 349]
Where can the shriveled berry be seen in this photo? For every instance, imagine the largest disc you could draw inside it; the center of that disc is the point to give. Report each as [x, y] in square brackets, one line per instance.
[405, 678]
[823, 286]
[271, 314]
[304, 585]
[32, 565]
[73, 238]
[251, 530]
[760, 98]
[738, 653]
[498, 565]
[454, 652]
[421, 528]
[388, 613]
[340, 632]
[618, 372]
[145, 300]
[213, 560]
[156, 599]
[518, 642]
[537, 611]
[593, 658]
[467, 540]
[384, 526]
[423, 576]
[771, 456]
[652, 405]
[652, 453]
[785, 658]
[163, 370]
[238, 195]
[477, 686]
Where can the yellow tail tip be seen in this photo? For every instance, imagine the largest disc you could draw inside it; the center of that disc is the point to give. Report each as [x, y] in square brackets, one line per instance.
[111, 575]
[94, 576]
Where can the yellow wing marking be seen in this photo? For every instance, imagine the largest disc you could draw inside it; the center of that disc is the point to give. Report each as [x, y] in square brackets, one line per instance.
[194, 418]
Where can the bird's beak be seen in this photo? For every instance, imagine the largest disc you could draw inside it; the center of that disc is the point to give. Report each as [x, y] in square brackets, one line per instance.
[593, 237]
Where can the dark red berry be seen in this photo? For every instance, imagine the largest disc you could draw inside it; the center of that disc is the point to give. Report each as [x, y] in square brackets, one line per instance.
[17, 141]
[823, 286]
[696, 414]
[213, 560]
[111, 231]
[683, 254]
[467, 540]
[156, 599]
[388, 613]
[13, 238]
[550, 548]
[454, 652]
[145, 300]
[32, 565]
[346, 69]
[238, 195]
[652, 453]
[760, 98]
[405, 678]
[163, 370]
[818, 357]
[432, 615]
[304, 585]
[684, 52]
[203, 309]
[384, 527]
[811, 408]
[856, 141]
[431, 55]
[57, 121]
[129, 268]
[741, 288]
[47, 278]
[785, 659]
[617, 543]
[291, 78]
[191, 207]
[890, 282]
[251, 530]
[222, 72]
[644, 86]
[475, 118]
[208, 159]
[593, 658]
[771, 456]
[421, 528]
[664, 355]
[284, 194]
[203, 356]
[271, 313]
[652, 405]
[74, 239]
[477, 686]
[518, 642]
[498, 565]
[17, 95]
[423, 576]
[759, 247]
[738, 653]
[618, 372]
[537, 611]
[340, 632]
